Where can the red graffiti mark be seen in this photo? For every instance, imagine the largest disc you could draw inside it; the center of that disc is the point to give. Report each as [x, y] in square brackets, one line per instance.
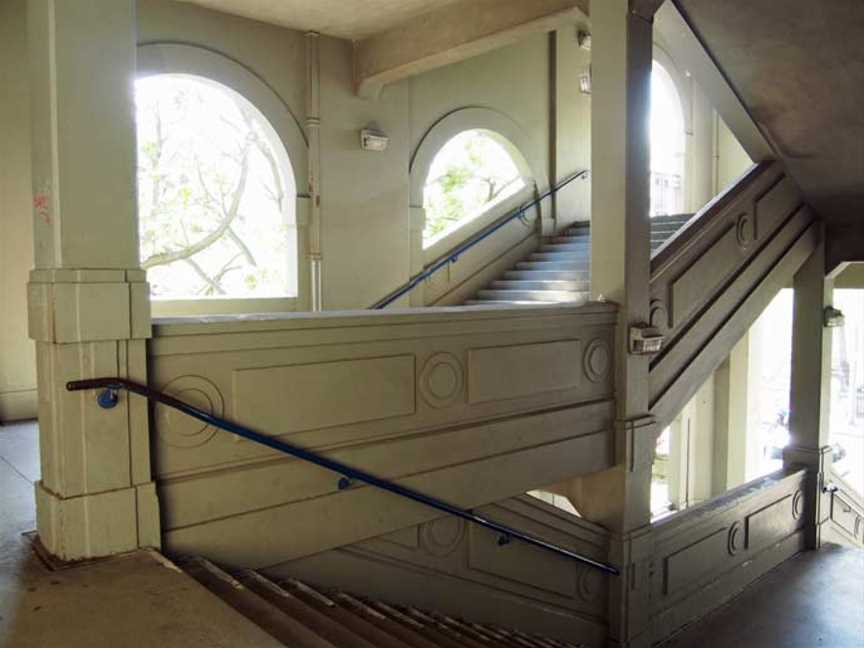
[41, 203]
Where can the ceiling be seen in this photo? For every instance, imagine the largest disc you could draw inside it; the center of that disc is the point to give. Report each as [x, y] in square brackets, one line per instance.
[352, 19]
[798, 66]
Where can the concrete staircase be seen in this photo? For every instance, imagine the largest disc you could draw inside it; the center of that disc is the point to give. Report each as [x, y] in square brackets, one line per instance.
[301, 616]
[559, 271]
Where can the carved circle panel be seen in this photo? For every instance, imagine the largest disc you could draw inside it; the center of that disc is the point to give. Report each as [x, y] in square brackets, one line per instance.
[440, 537]
[659, 316]
[442, 380]
[736, 538]
[179, 430]
[798, 504]
[744, 230]
[589, 584]
[597, 360]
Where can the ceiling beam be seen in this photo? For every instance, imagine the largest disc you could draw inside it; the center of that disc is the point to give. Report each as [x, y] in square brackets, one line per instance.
[454, 33]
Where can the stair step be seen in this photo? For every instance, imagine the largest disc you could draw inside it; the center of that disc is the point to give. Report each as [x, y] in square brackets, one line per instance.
[663, 231]
[573, 248]
[555, 296]
[550, 284]
[564, 257]
[317, 620]
[439, 637]
[410, 633]
[548, 275]
[267, 616]
[302, 616]
[508, 302]
[570, 239]
[552, 265]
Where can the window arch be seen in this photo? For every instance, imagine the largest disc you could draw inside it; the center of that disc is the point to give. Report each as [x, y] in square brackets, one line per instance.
[668, 144]
[474, 171]
[215, 193]
[272, 278]
[524, 152]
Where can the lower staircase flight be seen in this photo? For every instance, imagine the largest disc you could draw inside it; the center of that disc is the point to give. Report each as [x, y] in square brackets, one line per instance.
[302, 616]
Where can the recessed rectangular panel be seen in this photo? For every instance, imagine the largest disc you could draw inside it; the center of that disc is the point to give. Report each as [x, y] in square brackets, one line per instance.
[689, 564]
[293, 398]
[770, 524]
[521, 563]
[701, 279]
[844, 515]
[499, 373]
[776, 205]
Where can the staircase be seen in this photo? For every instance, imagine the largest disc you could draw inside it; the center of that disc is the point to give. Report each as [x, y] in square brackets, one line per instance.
[559, 271]
[302, 616]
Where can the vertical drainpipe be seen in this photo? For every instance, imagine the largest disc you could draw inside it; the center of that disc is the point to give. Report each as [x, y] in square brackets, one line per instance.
[553, 129]
[313, 133]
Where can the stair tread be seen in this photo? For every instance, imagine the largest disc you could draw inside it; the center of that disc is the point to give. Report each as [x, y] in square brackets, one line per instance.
[533, 295]
[547, 284]
[316, 619]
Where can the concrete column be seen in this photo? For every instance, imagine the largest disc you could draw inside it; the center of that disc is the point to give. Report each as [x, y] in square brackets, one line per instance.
[733, 410]
[810, 395]
[620, 498]
[88, 298]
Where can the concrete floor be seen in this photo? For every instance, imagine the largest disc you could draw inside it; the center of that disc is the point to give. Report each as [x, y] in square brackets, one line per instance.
[815, 600]
[132, 601]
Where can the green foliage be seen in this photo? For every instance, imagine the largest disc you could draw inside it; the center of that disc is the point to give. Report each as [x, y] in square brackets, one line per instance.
[469, 173]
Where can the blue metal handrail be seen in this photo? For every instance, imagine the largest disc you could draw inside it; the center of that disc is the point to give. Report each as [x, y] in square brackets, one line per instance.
[453, 255]
[108, 398]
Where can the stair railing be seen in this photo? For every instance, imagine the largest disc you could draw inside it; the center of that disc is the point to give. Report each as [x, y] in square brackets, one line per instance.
[108, 398]
[453, 255]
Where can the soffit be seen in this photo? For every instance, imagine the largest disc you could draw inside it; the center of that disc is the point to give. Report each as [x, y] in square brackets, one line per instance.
[351, 19]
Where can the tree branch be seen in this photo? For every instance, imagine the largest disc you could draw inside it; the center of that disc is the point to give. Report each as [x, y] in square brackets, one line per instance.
[164, 258]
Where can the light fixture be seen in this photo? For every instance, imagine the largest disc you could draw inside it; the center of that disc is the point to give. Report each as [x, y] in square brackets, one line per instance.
[373, 138]
[834, 317]
[645, 340]
[583, 38]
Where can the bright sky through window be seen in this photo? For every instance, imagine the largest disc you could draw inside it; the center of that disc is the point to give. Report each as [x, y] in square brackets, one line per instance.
[667, 145]
[215, 195]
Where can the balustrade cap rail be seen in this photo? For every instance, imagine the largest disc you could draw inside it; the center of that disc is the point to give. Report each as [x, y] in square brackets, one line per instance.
[109, 398]
[453, 255]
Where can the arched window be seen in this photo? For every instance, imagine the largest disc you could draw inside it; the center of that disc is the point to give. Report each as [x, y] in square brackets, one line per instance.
[472, 172]
[667, 144]
[216, 194]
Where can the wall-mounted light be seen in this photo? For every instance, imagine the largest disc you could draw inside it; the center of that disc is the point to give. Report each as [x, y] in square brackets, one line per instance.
[583, 39]
[645, 340]
[834, 317]
[373, 138]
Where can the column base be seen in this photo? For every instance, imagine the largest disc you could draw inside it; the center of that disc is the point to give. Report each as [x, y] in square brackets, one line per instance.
[98, 524]
[817, 461]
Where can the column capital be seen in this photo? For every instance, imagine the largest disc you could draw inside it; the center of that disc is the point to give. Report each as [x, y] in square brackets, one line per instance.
[645, 8]
[69, 305]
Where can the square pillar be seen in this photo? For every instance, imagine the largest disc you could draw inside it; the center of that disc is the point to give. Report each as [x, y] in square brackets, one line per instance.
[810, 390]
[89, 309]
[621, 53]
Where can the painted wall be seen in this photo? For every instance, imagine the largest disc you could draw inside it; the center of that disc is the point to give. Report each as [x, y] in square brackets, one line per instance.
[17, 362]
[732, 159]
[366, 220]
